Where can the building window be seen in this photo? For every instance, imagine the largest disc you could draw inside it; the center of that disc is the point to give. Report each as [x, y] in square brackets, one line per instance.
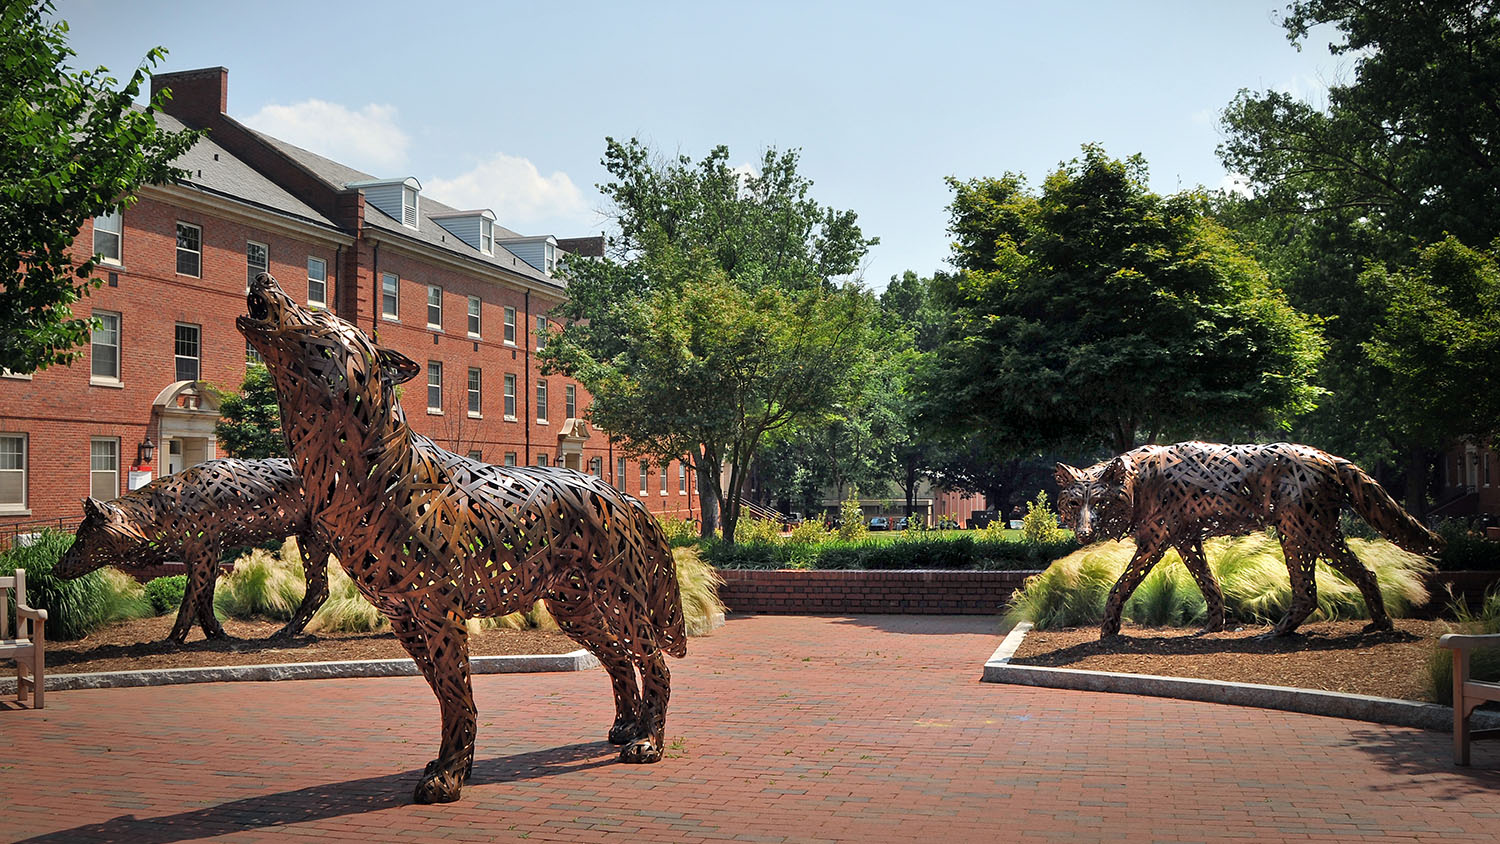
[12, 473]
[541, 401]
[681, 478]
[541, 459]
[620, 474]
[551, 258]
[645, 475]
[189, 250]
[257, 261]
[107, 237]
[251, 354]
[510, 326]
[1486, 468]
[434, 307]
[510, 458]
[541, 333]
[390, 284]
[104, 468]
[474, 306]
[664, 468]
[105, 347]
[476, 454]
[486, 236]
[409, 207]
[434, 386]
[510, 397]
[317, 282]
[475, 377]
[188, 347]
[570, 401]
[596, 467]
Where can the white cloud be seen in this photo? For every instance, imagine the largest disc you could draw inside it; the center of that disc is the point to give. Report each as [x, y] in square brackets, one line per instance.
[367, 139]
[1236, 183]
[521, 197]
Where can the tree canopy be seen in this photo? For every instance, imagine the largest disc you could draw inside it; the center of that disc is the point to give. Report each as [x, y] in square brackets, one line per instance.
[249, 425]
[1096, 311]
[72, 147]
[718, 315]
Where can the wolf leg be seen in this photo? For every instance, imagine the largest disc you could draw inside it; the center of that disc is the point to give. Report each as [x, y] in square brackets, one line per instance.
[1197, 565]
[583, 621]
[1301, 563]
[440, 647]
[315, 569]
[1353, 568]
[1147, 553]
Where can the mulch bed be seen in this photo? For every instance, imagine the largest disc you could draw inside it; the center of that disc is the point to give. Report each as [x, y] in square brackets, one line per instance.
[139, 645]
[1333, 656]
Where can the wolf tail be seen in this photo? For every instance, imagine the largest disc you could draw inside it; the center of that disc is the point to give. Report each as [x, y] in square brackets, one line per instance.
[1376, 506]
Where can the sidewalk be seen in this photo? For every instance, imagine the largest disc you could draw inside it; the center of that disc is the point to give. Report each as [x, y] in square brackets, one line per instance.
[782, 728]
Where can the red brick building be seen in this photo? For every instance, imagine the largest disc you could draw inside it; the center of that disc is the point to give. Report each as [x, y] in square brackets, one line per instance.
[449, 288]
[1470, 475]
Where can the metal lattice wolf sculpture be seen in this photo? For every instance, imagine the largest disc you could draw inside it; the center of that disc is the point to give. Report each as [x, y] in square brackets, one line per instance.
[1176, 496]
[432, 537]
[192, 516]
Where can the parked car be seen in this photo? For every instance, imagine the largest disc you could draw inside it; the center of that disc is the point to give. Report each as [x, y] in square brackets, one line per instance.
[903, 523]
[793, 519]
[879, 523]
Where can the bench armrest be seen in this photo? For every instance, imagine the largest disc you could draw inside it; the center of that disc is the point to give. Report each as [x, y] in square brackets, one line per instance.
[28, 612]
[1460, 642]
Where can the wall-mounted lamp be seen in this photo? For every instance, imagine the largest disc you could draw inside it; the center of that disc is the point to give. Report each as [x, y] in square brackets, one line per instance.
[145, 451]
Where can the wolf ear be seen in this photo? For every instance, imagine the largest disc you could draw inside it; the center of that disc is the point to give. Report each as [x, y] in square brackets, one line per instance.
[1118, 470]
[396, 367]
[93, 507]
[1067, 475]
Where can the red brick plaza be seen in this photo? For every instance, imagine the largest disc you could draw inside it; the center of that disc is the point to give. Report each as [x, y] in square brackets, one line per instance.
[872, 728]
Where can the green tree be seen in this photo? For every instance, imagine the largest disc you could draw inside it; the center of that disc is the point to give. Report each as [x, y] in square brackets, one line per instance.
[249, 425]
[1098, 312]
[1440, 342]
[71, 147]
[717, 318]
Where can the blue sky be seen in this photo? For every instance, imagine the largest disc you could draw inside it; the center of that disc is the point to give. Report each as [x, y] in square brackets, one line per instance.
[506, 105]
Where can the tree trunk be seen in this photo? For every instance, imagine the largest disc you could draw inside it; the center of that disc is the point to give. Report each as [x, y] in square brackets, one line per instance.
[708, 497]
[1416, 482]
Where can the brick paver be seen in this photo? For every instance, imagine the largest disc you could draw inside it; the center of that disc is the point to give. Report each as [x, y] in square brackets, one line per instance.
[782, 728]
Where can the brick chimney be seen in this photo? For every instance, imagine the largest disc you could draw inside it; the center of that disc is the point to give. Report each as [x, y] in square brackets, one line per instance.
[199, 97]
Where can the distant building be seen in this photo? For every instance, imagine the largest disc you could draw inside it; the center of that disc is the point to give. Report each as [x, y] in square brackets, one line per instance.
[1470, 480]
[450, 288]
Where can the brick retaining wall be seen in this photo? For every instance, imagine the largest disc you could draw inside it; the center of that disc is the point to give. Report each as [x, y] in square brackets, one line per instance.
[789, 592]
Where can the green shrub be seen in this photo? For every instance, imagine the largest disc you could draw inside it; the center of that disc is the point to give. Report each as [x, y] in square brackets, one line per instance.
[680, 532]
[1039, 525]
[1466, 549]
[165, 593]
[751, 529]
[809, 532]
[851, 519]
[1250, 571]
[262, 584]
[1484, 663]
[345, 611]
[77, 607]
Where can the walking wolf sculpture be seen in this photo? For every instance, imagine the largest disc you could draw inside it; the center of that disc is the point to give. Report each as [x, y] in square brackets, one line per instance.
[1176, 496]
[192, 516]
[431, 537]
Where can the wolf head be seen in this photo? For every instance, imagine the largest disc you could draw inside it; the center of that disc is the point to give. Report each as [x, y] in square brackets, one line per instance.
[107, 537]
[1097, 502]
[322, 366]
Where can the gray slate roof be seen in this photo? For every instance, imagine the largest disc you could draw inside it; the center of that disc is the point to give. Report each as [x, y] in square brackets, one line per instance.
[428, 231]
[212, 169]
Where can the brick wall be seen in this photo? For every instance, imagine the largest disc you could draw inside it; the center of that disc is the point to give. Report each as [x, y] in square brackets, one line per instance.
[845, 592]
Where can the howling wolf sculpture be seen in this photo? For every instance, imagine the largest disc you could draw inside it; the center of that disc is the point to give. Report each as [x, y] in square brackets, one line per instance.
[192, 516]
[1176, 496]
[432, 537]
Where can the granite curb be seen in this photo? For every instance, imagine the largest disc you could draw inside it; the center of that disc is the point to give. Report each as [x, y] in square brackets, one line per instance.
[579, 660]
[1380, 710]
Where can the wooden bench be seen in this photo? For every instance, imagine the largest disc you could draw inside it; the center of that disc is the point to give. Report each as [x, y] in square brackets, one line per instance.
[29, 645]
[1468, 693]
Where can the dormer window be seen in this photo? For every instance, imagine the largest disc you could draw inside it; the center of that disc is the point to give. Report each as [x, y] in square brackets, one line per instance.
[551, 261]
[486, 236]
[408, 206]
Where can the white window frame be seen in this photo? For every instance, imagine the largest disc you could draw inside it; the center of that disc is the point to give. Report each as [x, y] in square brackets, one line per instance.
[550, 258]
[664, 468]
[570, 401]
[476, 454]
[476, 314]
[18, 508]
[596, 467]
[541, 459]
[95, 474]
[541, 333]
[510, 458]
[541, 401]
[94, 378]
[410, 211]
[395, 294]
[621, 471]
[510, 326]
[645, 478]
[196, 253]
[476, 392]
[435, 367]
[320, 278]
[681, 478]
[486, 236]
[102, 225]
[435, 292]
[177, 357]
[250, 269]
[509, 408]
